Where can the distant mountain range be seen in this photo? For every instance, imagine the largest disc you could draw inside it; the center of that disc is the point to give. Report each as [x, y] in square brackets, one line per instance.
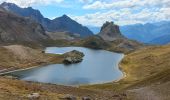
[152, 33]
[161, 40]
[61, 24]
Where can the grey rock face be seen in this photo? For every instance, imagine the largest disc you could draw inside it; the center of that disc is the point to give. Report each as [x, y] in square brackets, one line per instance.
[109, 31]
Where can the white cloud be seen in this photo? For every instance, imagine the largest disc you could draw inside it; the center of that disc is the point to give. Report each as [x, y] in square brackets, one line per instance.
[126, 4]
[86, 1]
[97, 19]
[26, 3]
[108, 5]
[121, 12]
[125, 12]
[124, 17]
[165, 13]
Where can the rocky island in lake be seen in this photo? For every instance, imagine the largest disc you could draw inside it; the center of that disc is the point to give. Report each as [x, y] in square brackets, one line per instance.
[73, 57]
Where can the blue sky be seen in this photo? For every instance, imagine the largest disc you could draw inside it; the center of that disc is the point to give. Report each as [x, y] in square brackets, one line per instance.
[68, 7]
[96, 12]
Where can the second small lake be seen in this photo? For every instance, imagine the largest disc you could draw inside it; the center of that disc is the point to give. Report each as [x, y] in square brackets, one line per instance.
[98, 66]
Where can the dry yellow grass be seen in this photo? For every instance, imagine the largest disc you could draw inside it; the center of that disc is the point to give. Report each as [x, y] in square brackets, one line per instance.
[146, 62]
[11, 89]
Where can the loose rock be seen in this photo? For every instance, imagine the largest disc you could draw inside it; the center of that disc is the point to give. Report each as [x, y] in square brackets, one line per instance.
[34, 96]
[86, 98]
[69, 97]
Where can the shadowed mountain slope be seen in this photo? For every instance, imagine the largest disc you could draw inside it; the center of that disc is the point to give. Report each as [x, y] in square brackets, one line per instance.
[14, 28]
[60, 24]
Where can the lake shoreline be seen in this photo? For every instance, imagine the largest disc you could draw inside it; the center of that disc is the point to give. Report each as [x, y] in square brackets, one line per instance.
[15, 70]
[22, 69]
[115, 81]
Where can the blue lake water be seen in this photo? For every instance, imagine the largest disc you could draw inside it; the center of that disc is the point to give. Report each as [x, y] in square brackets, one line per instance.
[98, 66]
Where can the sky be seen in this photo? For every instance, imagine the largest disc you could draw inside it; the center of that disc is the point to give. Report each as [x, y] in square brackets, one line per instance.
[97, 12]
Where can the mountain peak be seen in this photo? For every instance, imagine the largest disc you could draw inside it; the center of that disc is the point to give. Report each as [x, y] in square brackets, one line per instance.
[14, 6]
[110, 31]
[8, 4]
[107, 24]
[65, 16]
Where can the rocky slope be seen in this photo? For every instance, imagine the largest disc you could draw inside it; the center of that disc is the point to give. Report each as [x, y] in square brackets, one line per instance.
[18, 29]
[60, 24]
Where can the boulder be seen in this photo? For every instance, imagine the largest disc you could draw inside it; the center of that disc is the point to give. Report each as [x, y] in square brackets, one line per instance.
[73, 57]
[33, 96]
[86, 98]
[69, 97]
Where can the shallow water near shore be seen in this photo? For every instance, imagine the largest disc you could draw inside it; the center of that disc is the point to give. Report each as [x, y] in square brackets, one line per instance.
[98, 66]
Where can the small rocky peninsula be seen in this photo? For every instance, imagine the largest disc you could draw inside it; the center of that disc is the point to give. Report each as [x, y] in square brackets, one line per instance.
[73, 57]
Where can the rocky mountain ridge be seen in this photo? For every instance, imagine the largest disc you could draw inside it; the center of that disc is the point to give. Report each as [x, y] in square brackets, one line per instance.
[60, 24]
[14, 28]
